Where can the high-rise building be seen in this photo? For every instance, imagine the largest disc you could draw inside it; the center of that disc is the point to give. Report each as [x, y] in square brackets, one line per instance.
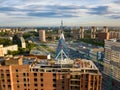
[81, 32]
[114, 34]
[42, 36]
[112, 64]
[93, 32]
[77, 33]
[103, 36]
[105, 29]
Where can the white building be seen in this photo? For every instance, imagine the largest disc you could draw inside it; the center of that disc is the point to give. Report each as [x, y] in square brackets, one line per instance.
[4, 50]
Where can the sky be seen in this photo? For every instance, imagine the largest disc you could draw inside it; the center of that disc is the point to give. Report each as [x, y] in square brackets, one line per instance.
[51, 12]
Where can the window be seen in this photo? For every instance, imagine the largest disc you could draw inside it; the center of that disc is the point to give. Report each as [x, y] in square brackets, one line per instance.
[25, 85]
[41, 74]
[41, 85]
[8, 75]
[9, 86]
[24, 79]
[3, 80]
[23, 74]
[28, 79]
[3, 85]
[7, 71]
[54, 74]
[17, 76]
[54, 80]
[54, 85]
[35, 85]
[18, 86]
[35, 79]
[41, 80]
[8, 80]
[35, 74]
[16, 70]
[2, 75]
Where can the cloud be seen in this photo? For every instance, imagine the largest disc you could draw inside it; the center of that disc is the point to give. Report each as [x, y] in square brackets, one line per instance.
[100, 10]
[6, 9]
[115, 16]
[56, 9]
[117, 1]
[51, 14]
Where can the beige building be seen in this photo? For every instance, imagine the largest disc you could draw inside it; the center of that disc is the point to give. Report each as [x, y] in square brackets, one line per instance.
[114, 34]
[111, 72]
[4, 50]
[112, 57]
[28, 73]
[81, 32]
[42, 36]
[77, 33]
[105, 29]
[93, 32]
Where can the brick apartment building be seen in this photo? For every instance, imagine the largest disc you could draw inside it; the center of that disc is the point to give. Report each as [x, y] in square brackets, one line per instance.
[30, 73]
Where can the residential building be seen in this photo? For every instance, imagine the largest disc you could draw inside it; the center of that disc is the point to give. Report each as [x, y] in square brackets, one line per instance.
[103, 36]
[112, 64]
[4, 50]
[77, 33]
[114, 34]
[42, 36]
[25, 73]
[93, 32]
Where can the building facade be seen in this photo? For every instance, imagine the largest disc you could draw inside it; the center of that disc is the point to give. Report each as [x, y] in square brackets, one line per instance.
[112, 64]
[42, 36]
[46, 75]
[93, 32]
[4, 50]
[77, 33]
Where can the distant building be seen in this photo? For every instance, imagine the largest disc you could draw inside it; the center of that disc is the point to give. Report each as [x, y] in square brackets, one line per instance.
[103, 36]
[114, 34]
[93, 32]
[77, 33]
[42, 36]
[112, 64]
[19, 40]
[4, 50]
[105, 29]
[81, 32]
[1, 50]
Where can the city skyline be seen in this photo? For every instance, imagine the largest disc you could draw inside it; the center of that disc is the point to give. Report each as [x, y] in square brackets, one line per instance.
[51, 12]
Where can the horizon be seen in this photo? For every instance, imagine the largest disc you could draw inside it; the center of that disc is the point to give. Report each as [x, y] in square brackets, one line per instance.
[29, 13]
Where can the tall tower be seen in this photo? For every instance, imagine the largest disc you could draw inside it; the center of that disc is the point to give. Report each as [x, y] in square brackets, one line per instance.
[61, 28]
[81, 32]
[93, 32]
[42, 36]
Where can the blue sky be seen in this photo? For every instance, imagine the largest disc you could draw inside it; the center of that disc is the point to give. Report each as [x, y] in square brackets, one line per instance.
[51, 12]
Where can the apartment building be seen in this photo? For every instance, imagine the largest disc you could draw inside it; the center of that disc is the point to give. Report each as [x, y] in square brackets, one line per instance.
[112, 64]
[42, 36]
[32, 73]
[4, 50]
